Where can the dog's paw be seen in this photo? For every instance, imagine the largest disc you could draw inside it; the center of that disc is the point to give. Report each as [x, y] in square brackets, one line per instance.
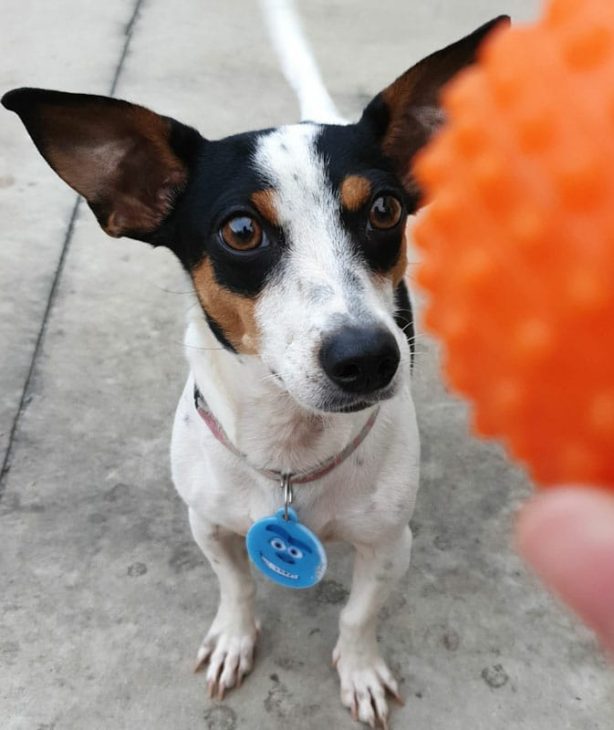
[365, 680]
[229, 652]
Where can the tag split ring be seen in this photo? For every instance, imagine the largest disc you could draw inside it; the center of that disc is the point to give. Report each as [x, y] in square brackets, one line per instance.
[286, 485]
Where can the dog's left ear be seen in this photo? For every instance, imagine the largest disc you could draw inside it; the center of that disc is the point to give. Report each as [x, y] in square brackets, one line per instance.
[406, 113]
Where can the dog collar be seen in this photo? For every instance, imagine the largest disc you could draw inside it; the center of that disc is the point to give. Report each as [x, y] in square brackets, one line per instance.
[303, 477]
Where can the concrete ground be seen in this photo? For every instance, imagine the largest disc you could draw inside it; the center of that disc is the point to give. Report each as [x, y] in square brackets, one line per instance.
[104, 597]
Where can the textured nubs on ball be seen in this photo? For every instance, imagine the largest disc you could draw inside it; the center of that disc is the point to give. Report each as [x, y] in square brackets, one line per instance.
[518, 240]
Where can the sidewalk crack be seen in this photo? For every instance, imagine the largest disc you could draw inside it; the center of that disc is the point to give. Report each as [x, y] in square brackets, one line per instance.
[25, 393]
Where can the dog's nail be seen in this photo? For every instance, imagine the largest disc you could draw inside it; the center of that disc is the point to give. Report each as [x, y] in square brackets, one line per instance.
[221, 691]
[397, 698]
[202, 657]
[211, 688]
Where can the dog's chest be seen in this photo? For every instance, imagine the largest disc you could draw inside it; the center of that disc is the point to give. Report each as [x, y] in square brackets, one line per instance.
[372, 488]
[236, 495]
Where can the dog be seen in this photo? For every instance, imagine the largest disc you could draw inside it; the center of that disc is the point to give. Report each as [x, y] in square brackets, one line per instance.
[295, 240]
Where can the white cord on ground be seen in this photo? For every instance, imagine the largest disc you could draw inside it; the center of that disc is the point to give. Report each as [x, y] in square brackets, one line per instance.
[297, 62]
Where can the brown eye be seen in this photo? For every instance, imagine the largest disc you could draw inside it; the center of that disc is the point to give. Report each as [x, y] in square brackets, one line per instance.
[242, 233]
[385, 212]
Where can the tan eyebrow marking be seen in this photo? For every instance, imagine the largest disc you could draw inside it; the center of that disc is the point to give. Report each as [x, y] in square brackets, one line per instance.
[232, 312]
[355, 192]
[264, 201]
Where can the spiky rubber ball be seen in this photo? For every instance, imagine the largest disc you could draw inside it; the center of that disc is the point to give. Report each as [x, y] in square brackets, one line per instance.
[518, 241]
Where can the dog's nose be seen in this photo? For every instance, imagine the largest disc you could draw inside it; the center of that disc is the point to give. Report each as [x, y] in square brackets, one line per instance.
[360, 359]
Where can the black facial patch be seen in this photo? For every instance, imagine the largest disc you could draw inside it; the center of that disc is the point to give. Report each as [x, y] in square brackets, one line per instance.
[354, 150]
[222, 180]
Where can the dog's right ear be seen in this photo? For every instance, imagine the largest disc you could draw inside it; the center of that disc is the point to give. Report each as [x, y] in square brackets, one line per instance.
[129, 163]
[405, 114]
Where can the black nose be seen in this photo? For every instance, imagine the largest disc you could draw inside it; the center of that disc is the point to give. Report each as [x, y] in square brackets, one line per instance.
[360, 359]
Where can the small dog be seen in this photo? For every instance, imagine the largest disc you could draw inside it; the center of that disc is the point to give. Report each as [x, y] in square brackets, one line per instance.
[295, 241]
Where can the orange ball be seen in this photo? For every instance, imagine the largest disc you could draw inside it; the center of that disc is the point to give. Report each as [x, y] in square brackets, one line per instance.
[518, 240]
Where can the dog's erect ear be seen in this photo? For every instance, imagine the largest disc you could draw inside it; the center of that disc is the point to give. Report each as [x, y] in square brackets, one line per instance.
[128, 163]
[407, 112]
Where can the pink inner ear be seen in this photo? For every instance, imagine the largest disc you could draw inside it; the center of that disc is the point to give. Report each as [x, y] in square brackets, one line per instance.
[430, 117]
[143, 207]
[140, 191]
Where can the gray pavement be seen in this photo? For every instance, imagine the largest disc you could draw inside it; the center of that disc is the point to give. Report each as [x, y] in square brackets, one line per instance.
[104, 597]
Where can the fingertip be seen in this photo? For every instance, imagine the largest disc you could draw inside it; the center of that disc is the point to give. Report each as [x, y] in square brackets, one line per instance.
[566, 535]
[554, 511]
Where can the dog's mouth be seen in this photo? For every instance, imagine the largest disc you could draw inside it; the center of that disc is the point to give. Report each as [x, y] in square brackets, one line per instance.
[348, 405]
[338, 402]
[277, 569]
[350, 408]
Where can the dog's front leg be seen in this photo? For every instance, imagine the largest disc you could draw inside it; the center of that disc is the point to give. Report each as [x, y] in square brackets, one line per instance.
[363, 673]
[229, 645]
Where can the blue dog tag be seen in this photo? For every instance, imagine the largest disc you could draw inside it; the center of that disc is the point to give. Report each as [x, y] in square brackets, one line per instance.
[287, 552]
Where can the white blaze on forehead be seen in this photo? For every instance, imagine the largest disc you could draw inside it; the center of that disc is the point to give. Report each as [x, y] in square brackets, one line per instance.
[307, 207]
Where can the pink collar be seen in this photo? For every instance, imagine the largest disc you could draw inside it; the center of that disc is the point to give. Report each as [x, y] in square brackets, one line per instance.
[301, 477]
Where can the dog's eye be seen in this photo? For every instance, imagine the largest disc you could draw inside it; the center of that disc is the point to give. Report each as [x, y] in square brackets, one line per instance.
[242, 233]
[385, 213]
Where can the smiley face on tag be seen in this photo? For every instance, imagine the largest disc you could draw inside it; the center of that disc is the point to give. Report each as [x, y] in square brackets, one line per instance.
[286, 551]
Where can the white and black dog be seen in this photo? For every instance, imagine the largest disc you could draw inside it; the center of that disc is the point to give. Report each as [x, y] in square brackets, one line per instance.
[300, 353]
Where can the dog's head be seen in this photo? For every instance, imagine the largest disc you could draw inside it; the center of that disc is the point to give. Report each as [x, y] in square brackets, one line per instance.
[294, 237]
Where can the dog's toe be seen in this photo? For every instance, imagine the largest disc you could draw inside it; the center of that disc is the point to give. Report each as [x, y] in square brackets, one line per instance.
[204, 652]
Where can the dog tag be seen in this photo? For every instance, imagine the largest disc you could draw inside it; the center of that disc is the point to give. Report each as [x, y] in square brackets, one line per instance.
[286, 551]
